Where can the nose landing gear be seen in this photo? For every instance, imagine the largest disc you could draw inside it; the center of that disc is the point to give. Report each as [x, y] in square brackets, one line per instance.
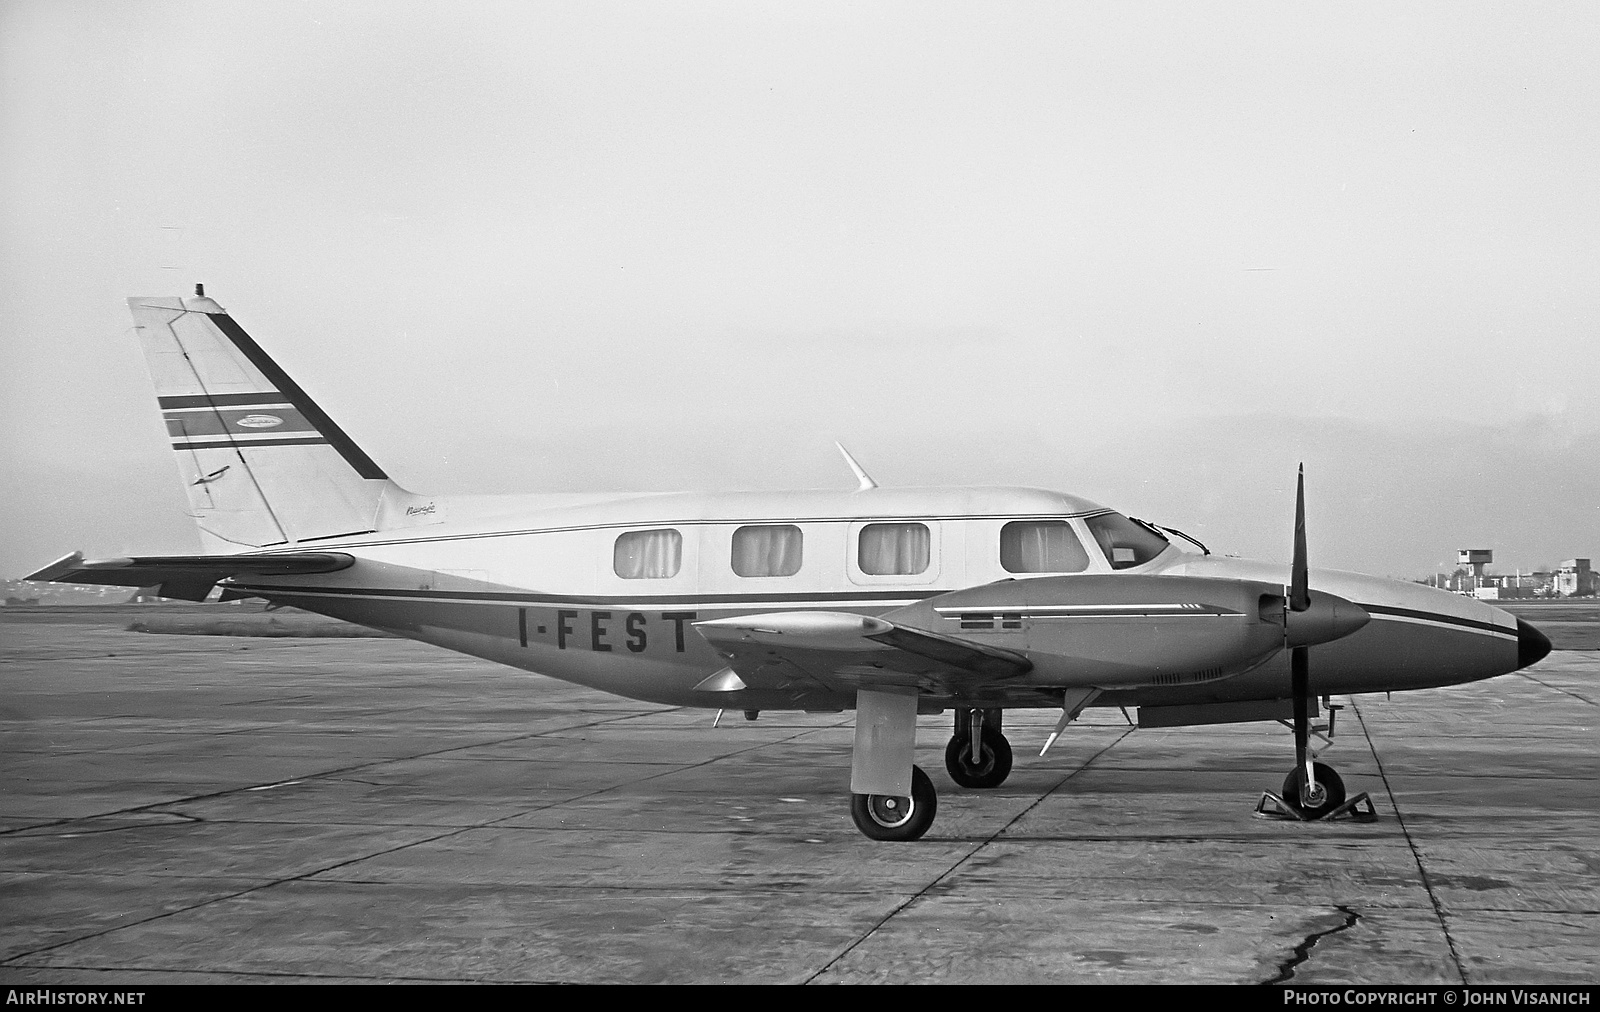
[1325, 795]
[1313, 791]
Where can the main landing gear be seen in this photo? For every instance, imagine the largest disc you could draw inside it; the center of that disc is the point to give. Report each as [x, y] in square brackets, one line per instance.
[888, 817]
[978, 754]
[890, 799]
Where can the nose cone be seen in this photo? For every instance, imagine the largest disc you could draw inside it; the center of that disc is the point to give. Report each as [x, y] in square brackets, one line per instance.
[1532, 645]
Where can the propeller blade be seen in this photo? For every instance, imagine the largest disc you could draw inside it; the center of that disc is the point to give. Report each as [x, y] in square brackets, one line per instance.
[1299, 602]
[1299, 580]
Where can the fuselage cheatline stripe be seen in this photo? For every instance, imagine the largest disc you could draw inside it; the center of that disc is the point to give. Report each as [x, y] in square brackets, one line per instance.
[501, 597]
[872, 598]
[1377, 610]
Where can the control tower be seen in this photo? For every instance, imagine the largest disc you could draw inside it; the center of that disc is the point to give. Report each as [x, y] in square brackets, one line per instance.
[1475, 559]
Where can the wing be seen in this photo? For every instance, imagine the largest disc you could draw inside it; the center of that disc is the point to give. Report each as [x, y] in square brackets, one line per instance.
[838, 651]
[186, 577]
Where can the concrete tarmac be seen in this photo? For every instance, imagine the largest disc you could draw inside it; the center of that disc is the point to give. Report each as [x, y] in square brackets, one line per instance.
[227, 809]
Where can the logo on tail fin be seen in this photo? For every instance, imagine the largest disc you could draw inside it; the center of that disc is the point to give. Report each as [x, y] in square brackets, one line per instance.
[259, 421]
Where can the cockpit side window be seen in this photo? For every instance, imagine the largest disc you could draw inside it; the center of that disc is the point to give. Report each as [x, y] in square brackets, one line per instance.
[1125, 543]
[1041, 546]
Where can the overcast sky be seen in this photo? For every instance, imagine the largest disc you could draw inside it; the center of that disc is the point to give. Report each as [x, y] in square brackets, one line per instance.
[1150, 254]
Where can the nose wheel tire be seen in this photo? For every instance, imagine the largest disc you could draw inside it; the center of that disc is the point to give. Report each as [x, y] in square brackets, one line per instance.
[886, 817]
[1327, 792]
[994, 759]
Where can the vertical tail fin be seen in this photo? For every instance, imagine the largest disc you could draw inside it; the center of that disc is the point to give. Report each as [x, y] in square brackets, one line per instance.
[262, 464]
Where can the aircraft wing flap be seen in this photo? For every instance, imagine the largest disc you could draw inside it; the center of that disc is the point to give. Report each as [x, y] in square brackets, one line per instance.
[186, 577]
[844, 651]
[977, 658]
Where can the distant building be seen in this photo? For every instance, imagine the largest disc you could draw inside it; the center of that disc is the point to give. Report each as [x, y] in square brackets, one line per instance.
[1574, 578]
[1522, 585]
[1578, 580]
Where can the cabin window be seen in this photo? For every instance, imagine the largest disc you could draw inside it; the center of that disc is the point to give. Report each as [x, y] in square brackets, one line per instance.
[648, 555]
[1041, 546]
[770, 550]
[1125, 543]
[893, 549]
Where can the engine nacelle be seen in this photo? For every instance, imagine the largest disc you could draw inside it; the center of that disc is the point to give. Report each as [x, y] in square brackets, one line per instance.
[1130, 631]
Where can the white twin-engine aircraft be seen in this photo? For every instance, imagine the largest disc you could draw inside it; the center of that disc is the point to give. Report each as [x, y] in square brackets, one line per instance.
[890, 602]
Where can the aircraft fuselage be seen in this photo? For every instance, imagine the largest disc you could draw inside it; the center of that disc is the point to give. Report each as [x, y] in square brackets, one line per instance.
[545, 591]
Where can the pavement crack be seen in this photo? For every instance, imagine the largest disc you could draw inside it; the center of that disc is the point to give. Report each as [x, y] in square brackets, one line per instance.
[1302, 952]
[1416, 854]
[1557, 688]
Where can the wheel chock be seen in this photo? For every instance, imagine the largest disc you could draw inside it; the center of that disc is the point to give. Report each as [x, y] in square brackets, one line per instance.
[1273, 807]
[1357, 809]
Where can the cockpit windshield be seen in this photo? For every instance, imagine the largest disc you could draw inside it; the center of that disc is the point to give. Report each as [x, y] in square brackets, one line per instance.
[1125, 543]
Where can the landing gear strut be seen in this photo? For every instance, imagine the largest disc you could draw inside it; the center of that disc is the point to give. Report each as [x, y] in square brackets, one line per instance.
[978, 754]
[1311, 789]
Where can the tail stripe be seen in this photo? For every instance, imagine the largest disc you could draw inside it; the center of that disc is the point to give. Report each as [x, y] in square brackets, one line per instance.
[364, 465]
[230, 442]
[243, 423]
[192, 402]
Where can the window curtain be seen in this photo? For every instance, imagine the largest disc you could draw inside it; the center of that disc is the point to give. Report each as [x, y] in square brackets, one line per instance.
[1041, 547]
[894, 549]
[648, 555]
[767, 551]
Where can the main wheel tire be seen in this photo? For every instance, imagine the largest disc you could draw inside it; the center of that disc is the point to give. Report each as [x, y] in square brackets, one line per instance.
[994, 759]
[1332, 789]
[885, 817]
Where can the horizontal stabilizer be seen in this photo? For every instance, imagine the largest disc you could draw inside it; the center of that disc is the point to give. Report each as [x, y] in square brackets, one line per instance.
[186, 577]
